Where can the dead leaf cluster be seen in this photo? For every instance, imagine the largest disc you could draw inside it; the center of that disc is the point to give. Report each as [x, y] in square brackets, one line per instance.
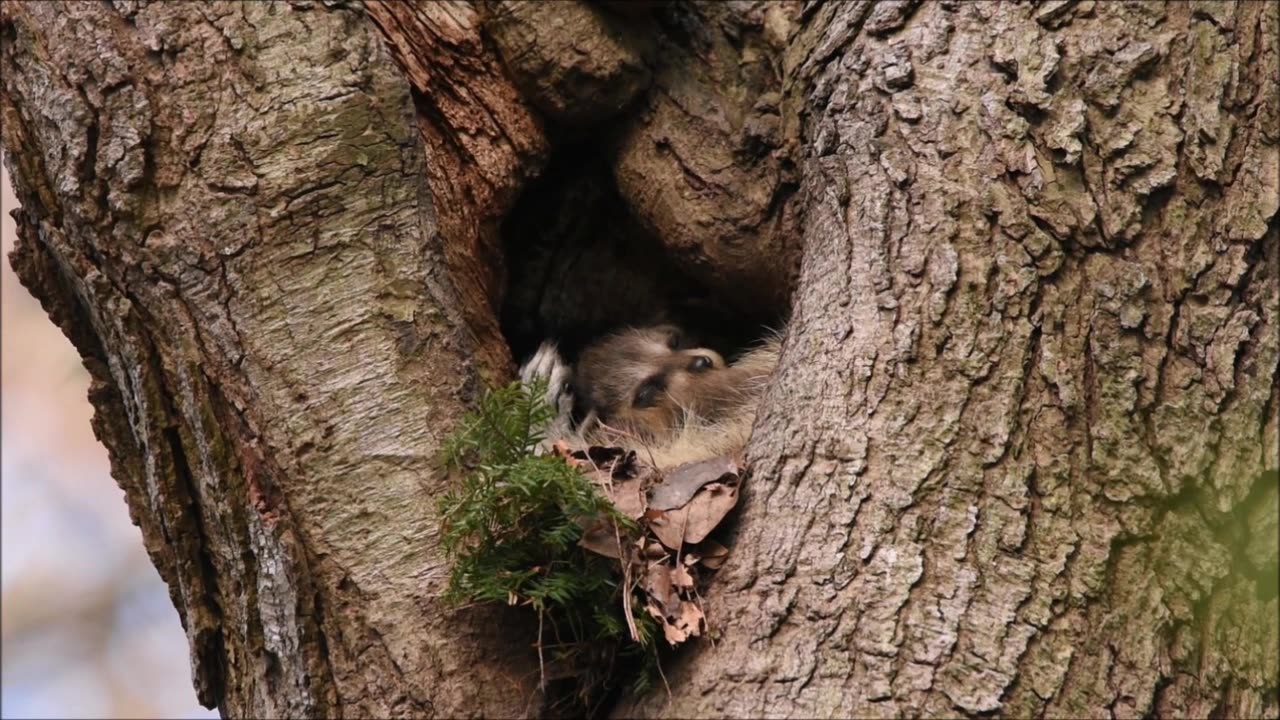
[669, 554]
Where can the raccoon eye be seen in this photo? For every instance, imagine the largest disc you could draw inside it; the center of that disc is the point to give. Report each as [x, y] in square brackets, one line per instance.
[700, 363]
[648, 392]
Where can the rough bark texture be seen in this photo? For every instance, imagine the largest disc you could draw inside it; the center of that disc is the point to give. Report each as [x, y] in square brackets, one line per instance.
[482, 143]
[707, 163]
[702, 158]
[226, 207]
[578, 66]
[1020, 455]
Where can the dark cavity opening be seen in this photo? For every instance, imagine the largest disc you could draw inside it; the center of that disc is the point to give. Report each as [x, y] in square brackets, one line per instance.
[579, 265]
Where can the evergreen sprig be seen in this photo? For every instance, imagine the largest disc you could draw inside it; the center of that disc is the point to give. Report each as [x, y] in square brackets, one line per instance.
[513, 522]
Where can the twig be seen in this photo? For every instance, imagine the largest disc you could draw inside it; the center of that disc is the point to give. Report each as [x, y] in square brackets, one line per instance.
[658, 662]
[627, 593]
[698, 598]
[542, 668]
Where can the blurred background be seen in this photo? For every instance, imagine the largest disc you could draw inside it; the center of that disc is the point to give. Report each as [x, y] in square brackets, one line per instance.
[86, 625]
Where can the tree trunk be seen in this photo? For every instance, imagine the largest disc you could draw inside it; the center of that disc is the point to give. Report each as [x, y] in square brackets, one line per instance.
[226, 207]
[1019, 456]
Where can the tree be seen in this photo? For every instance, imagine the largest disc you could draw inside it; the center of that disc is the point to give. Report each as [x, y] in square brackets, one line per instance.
[1019, 456]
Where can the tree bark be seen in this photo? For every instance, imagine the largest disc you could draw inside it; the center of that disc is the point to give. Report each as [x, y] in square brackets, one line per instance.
[1020, 454]
[226, 207]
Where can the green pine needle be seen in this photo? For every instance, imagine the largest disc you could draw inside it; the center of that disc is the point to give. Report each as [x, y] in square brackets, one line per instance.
[512, 526]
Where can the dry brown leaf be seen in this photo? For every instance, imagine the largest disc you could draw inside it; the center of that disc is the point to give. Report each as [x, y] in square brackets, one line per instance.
[691, 621]
[628, 497]
[673, 635]
[707, 509]
[602, 539]
[680, 619]
[561, 449]
[713, 554]
[682, 484]
[657, 584]
[664, 605]
[668, 526]
[639, 471]
[681, 578]
[655, 612]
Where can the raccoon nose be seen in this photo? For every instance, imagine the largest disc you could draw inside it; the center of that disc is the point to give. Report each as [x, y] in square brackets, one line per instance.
[700, 363]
